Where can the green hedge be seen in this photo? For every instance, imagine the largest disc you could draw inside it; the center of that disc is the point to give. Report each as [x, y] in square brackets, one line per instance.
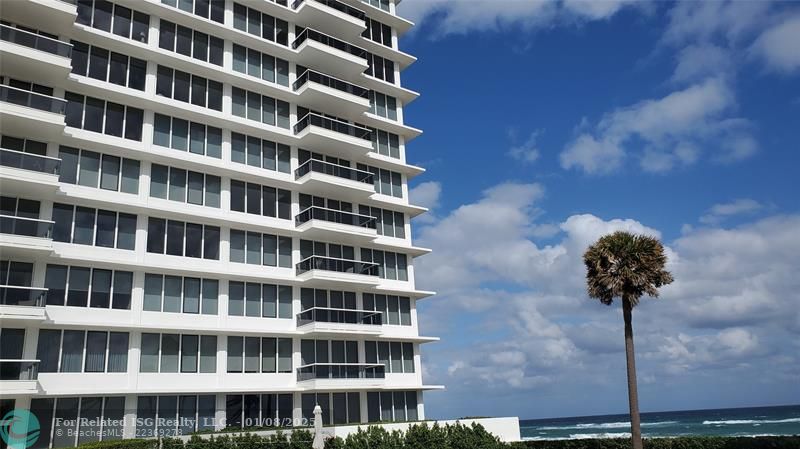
[788, 442]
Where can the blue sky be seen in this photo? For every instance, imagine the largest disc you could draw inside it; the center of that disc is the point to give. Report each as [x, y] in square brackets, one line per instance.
[548, 124]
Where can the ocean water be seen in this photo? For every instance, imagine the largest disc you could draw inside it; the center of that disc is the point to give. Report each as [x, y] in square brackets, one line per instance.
[784, 420]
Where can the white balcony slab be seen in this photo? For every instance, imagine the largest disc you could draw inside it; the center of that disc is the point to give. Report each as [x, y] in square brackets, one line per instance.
[322, 329]
[20, 120]
[332, 279]
[18, 387]
[16, 245]
[321, 184]
[320, 97]
[20, 62]
[329, 20]
[314, 137]
[25, 313]
[331, 60]
[53, 16]
[20, 182]
[341, 384]
[343, 233]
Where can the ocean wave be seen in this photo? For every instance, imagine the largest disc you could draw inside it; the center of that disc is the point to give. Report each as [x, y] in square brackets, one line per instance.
[607, 425]
[733, 422]
[581, 436]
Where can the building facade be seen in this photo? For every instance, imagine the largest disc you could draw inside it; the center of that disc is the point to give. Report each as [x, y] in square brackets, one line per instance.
[205, 217]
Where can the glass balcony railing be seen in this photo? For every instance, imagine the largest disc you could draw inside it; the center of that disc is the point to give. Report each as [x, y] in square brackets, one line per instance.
[341, 371]
[329, 81]
[34, 100]
[322, 38]
[312, 119]
[28, 227]
[340, 316]
[337, 5]
[36, 41]
[19, 369]
[338, 265]
[19, 295]
[334, 216]
[29, 161]
[327, 168]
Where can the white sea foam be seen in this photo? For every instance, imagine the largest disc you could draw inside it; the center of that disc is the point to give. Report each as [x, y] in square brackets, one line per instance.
[607, 425]
[733, 422]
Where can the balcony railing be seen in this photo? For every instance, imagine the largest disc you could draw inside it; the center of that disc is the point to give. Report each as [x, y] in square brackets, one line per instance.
[18, 295]
[19, 369]
[338, 265]
[29, 161]
[28, 227]
[340, 316]
[327, 168]
[337, 5]
[330, 41]
[312, 119]
[36, 41]
[329, 81]
[341, 371]
[334, 216]
[34, 100]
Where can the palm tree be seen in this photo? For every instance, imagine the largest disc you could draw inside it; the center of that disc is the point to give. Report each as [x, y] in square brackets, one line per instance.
[624, 265]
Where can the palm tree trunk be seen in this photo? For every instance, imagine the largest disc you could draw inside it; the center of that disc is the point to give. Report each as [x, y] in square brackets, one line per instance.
[633, 394]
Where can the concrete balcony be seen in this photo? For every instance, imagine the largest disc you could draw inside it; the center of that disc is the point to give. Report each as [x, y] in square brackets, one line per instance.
[319, 223]
[55, 16]
[18, 302]
[323, 52]
[341, 375]
[322, 92]
[21, 236]
[23, 53]
[28, 173]
[325, 321]
[333, 272]
[19, 376]
[326, 179]
[26, 113]
[317, 132]
[330, 16]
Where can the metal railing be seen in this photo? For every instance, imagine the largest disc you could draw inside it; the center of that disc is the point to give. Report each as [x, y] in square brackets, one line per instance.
[330, 41]
[19, 369]
[334, 216]
[19, 295]
[36, 41]
[34, 100]
[29, 161]
[341, 316]
[337, 5]
[334, 83]
[28, 227]
[338, 265]
[341, 371]
[313, 119]
[340, 171]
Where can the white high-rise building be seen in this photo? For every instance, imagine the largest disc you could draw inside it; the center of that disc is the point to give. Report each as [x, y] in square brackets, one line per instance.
[205, 216]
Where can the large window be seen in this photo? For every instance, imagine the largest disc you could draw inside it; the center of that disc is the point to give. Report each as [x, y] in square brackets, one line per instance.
[261, 249]
[164, 416]
[78, 420]
[260, 153]
[183, 86]
[378, 32]
[388, 223]
[78, 351]
[310, 248]
[256, 23]
[396, 357]
[94, 114]
[207, 9]
[104, 65]
[260, 65]
[259, 355]
[382, 4]
[254, 106]
[112, 18]
[87, 226]
[396, 310]
[177, 294]
[390, 406]
[176, 238]
[91, 169]
[23, 145]
[386, 182]
[385, 143]
[81, 286]
[391, 265]
[191, 43]
[254, 410]
[173, 353]
[380, 68]
[261, 200]
[259, 300]
[185, 186]
[337, 408]
[179, 134]
[383, 105]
